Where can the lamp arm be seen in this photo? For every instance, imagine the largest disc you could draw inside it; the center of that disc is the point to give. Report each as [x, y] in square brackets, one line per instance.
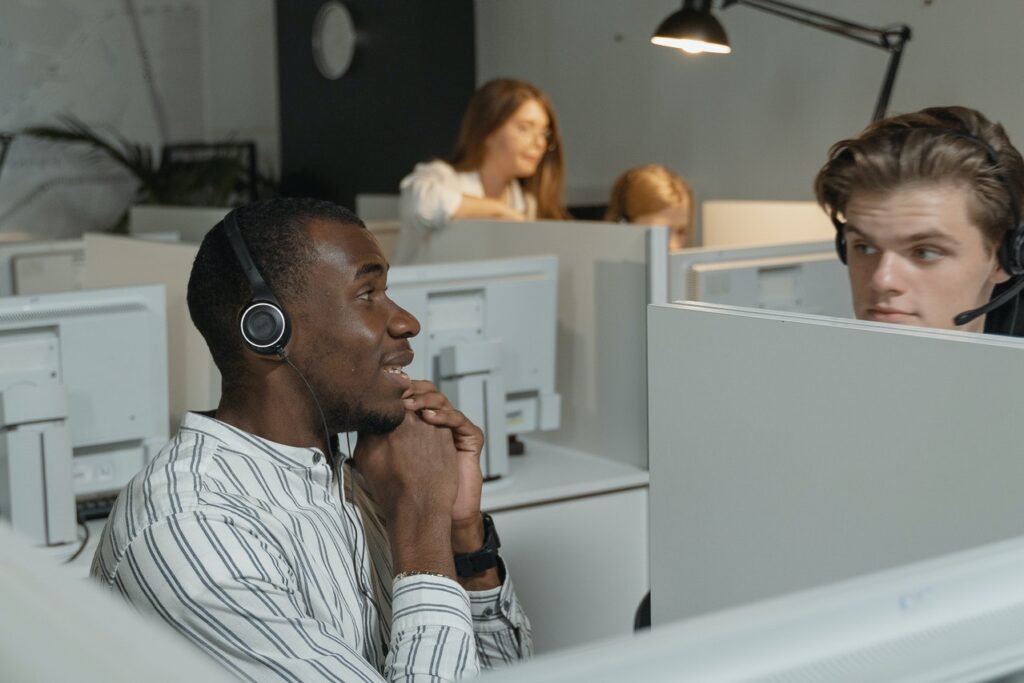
[895, 54]
[804, 15]
[892, 39]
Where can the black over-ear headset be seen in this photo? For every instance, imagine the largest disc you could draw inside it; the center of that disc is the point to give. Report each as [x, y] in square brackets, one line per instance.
[264, 324]
[1011, 249]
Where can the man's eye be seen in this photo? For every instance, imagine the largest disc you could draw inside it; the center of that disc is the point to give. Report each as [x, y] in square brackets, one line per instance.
[864, 249]
[927, 253]
[365, 294]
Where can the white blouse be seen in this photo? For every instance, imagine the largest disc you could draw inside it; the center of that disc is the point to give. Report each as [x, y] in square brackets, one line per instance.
[432, 193]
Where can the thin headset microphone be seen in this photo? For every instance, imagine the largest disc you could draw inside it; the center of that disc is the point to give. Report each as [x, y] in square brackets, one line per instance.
[968, 316]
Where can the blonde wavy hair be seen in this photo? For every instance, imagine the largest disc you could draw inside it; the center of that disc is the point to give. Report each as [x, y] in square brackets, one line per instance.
[647, 189]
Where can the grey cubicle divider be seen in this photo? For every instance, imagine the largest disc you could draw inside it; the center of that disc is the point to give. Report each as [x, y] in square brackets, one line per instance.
[608, 272]
[789, 451]
[117, 261]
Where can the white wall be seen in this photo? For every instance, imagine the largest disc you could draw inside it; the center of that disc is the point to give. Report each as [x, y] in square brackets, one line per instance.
[755, 124]
[212, 65]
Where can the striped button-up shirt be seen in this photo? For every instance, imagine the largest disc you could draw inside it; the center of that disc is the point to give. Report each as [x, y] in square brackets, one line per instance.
[278, 566]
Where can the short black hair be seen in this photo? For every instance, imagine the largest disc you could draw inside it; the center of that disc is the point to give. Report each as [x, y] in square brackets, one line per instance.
[276, 233]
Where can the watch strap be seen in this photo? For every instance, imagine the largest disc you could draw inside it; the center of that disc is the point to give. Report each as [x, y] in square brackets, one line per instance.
[477, 562]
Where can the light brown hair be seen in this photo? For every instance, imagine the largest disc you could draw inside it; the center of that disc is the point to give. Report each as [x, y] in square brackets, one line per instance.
[647, 189]
[490, 107]
[938, 145]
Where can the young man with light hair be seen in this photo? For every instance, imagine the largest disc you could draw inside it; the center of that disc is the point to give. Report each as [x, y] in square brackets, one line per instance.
[927, 207]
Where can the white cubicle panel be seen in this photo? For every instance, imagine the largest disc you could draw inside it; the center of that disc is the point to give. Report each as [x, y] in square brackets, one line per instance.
[608, 272]
[378, 207]
[113, 261]
[737, 223]
[56, 627]
[802, 450]
[955, 618]
[386, 233]
[174, 223]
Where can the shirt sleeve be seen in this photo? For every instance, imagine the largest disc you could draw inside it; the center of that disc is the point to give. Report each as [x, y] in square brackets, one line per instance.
[430, 195]
[502, 629]
[233, 594]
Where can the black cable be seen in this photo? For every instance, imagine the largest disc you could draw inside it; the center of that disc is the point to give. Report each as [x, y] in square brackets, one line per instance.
[81, 547]
[323, 418]
[1013, 317]
[357, 566]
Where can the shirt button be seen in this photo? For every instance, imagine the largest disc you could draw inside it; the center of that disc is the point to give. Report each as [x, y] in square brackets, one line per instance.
[316, 458]
[488, 611]
[507, 605]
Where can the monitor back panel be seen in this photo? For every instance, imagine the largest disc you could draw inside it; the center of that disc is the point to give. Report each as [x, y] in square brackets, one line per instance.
[809, 283]
[789, 451]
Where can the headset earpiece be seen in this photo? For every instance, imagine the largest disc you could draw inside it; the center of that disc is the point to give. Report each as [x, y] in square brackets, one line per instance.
[264, 325]
[1011, 250]
[840, 237]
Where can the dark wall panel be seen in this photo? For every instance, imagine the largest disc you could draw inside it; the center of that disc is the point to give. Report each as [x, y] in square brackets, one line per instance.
[400, 101]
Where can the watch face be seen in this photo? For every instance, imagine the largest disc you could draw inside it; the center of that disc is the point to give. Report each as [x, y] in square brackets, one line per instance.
[334, 40]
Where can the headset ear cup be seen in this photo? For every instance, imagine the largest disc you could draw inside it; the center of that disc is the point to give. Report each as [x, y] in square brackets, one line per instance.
[841, 243]
[265, 327]
[1011, 252]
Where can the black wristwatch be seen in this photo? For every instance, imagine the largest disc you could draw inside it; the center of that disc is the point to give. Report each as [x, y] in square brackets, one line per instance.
[471, 564]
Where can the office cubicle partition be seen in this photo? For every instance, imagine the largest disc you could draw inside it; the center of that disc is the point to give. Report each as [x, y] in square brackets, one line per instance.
[801, 450]
[953, 618]
[113, 261]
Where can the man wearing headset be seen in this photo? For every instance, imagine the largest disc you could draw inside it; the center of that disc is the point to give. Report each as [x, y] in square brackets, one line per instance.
[927, 208]
[254, 538]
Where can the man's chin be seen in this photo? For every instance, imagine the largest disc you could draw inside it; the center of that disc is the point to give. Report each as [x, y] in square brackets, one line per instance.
[379, 423]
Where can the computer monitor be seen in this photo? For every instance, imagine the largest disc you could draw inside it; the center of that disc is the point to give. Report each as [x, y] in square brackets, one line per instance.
[41, 267]
[737, 223]
[608, 273]
[954, 618]
[487, 340]
[682, 262]
[789, 451]
[815, 283]
[109, 350]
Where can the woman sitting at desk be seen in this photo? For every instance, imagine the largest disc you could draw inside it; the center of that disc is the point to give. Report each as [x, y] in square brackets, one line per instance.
[653, 195]
[507, 165]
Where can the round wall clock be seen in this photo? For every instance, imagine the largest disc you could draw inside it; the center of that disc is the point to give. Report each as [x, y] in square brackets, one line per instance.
[334, 40]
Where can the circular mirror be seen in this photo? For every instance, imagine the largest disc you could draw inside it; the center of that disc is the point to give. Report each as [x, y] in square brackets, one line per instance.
[334, 40]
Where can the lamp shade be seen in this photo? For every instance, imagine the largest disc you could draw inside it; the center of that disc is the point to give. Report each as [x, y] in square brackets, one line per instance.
[693, 30]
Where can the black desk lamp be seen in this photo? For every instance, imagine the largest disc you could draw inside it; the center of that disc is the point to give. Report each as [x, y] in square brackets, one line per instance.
[694, 29]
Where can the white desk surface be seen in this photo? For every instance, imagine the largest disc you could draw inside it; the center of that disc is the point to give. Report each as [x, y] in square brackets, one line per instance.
[547, 473]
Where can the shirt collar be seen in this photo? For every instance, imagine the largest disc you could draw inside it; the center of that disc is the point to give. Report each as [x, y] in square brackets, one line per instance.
[250, 444]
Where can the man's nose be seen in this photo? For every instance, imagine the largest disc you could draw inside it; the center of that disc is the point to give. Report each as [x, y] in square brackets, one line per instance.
[403, 324]
[889, 275]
